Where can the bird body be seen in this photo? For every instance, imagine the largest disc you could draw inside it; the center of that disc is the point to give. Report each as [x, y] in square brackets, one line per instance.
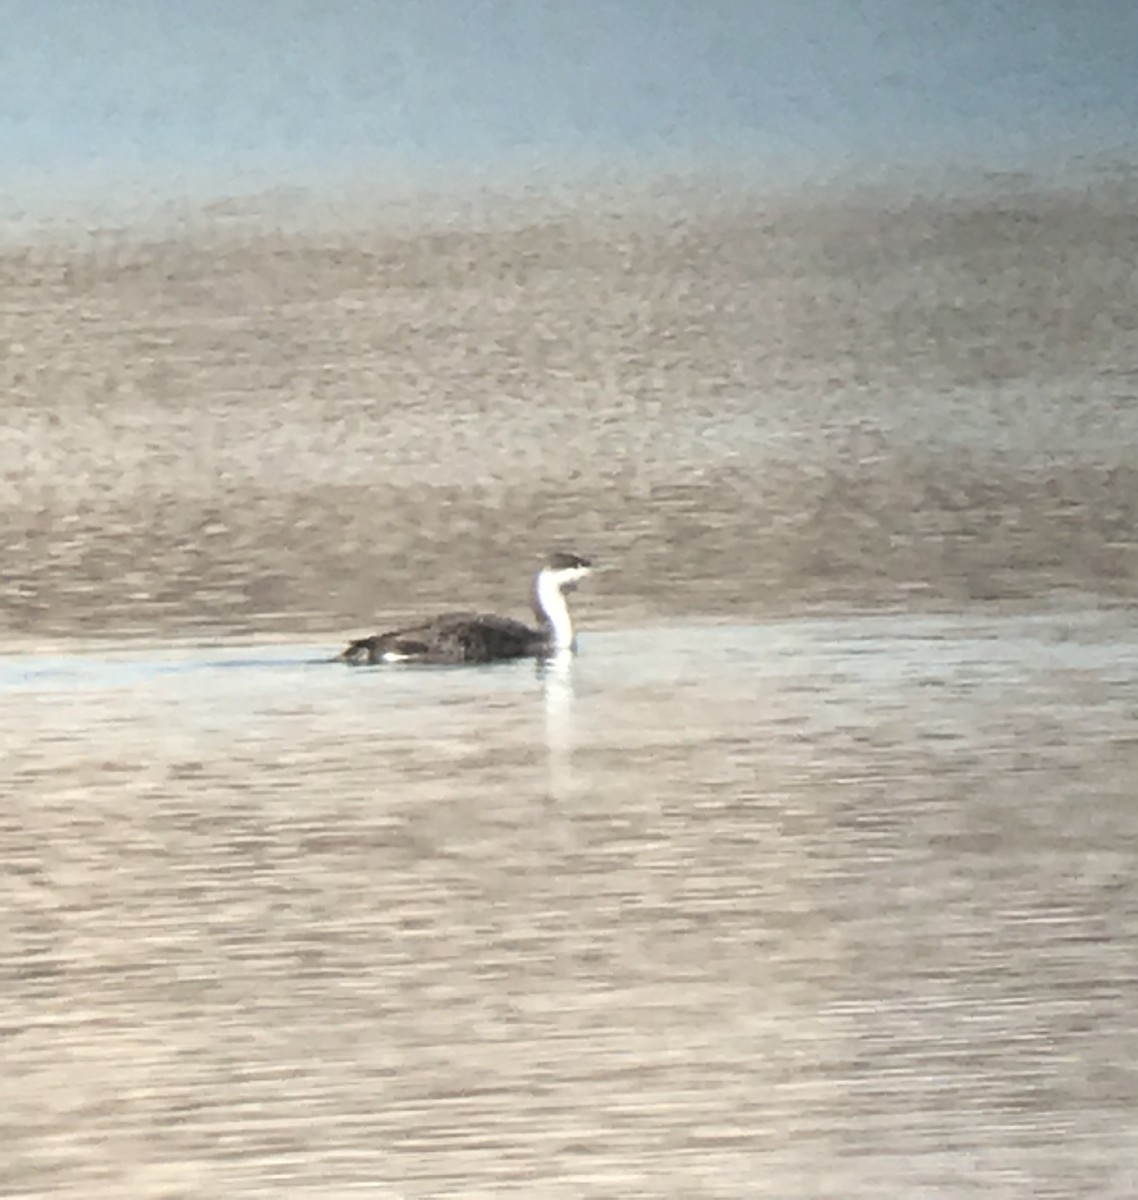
[469, 637]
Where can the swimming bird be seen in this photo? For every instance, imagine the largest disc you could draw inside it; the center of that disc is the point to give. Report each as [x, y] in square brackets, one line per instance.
[466, 637]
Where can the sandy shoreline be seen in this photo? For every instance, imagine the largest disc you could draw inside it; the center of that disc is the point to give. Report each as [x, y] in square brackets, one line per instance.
[748, 406]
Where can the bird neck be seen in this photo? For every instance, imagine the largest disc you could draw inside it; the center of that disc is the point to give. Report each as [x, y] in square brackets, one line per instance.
[554, 612]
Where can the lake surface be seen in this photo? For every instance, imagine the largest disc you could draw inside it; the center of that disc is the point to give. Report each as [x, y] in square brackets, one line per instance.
[812, 907]
[815, 874]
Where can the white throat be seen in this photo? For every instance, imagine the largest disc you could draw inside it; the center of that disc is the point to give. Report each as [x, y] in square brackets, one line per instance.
[551, 602]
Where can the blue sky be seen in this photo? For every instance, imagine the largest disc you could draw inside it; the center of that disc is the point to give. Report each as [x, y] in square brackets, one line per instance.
[301, 86]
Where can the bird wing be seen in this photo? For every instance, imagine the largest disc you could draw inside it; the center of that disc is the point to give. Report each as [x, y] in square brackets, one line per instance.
[482, 637]
[458, 637]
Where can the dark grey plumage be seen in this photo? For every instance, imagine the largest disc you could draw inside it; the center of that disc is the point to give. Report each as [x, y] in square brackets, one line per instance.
[467, 637]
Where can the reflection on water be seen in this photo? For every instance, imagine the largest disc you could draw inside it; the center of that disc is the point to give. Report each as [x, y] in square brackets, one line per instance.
[817, 908]
[558, 691]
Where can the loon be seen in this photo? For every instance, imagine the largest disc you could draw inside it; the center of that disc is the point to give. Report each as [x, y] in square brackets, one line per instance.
[466, 637]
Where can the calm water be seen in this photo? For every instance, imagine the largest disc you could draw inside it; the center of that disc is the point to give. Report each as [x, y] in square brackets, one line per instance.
[817, 907]
[832, 907]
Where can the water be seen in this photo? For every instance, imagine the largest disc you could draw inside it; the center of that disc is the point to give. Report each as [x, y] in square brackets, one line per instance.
[811, 907]
[734, 905]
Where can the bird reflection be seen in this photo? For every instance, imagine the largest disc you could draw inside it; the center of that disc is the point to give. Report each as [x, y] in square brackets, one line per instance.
[556, 675]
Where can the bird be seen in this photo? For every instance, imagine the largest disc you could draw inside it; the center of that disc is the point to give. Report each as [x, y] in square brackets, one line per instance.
[467, 637]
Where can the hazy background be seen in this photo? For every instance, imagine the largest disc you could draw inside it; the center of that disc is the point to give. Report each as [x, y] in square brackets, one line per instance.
[120, 99]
